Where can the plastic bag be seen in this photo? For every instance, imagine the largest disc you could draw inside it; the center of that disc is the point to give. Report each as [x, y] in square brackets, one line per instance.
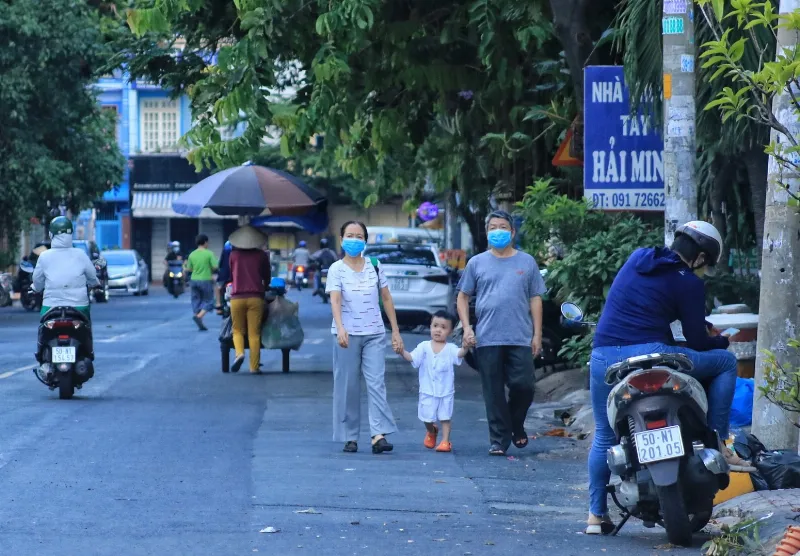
[780, 469]
[282, 329]
[226, 330]
[742, 408]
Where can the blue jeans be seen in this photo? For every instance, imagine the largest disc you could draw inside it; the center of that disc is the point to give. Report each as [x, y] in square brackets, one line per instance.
[715, 368]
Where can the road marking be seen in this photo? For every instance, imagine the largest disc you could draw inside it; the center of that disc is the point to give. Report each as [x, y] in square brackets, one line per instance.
[316, 341]
[11, 373]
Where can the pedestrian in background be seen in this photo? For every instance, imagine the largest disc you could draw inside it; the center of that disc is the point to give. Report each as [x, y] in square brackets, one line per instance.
[202, 264]
[250, 271]
[508, 288]
[356, 288]
[224, 275]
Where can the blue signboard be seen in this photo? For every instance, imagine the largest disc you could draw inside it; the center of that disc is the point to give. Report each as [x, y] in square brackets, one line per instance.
[623, 154]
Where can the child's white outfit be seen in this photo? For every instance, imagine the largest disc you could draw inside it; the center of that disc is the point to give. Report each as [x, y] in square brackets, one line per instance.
[436, 381]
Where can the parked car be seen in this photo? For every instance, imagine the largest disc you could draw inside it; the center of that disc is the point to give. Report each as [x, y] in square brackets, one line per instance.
[419, 282]
[100, 294]
[127, 272]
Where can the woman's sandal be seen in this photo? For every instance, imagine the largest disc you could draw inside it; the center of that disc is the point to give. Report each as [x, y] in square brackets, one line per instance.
[520, 440]
[496, 450]
[350, 446]
[381, 446]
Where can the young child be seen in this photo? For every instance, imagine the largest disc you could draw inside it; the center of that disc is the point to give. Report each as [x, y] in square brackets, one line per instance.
[435, 360]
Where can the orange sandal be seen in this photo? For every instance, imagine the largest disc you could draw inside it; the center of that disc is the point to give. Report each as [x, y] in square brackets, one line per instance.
[444, 447]
[430, 439]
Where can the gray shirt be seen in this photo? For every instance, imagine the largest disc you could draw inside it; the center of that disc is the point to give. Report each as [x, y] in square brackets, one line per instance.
[503, 288]
[301, 256]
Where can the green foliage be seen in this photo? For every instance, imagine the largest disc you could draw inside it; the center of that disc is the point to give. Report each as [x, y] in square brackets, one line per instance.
[56, 144]
[782, 380]
[596, 245]
[472, 94]
[585, 274]
[550, 217]
[741, 539]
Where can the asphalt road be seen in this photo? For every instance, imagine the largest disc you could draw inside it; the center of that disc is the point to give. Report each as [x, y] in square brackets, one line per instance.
[162, 454]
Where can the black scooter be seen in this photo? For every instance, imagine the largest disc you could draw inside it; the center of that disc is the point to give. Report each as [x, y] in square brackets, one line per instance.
[667, 457]
[64, 351]
[175, 279]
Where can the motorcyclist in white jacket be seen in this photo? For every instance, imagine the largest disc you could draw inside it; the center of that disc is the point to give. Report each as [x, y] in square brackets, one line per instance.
[64, 273]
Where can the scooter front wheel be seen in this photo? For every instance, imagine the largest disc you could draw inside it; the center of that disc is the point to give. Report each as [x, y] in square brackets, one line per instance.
[673, 510]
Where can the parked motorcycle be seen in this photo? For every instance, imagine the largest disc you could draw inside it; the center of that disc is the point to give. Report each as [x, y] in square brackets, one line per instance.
[667, 458]
[30, 300]
[175, 284]
[66, 360]
[300, 276]
[6, 289]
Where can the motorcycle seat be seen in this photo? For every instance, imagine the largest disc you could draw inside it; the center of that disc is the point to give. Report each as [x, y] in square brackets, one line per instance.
[63, 313]
[673, 361]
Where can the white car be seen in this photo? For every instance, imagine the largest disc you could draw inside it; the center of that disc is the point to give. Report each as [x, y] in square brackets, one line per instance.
[127, 272]
[419, 282]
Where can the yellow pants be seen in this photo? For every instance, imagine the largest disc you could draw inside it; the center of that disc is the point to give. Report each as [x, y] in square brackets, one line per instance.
[246, 315]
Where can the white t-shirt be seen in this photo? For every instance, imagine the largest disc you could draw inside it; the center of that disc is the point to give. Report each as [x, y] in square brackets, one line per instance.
[361, 310]
[436, 374]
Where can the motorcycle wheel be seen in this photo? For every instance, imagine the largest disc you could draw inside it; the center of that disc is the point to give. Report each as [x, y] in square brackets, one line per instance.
[65, 386]
[30, 306]
[673, 510]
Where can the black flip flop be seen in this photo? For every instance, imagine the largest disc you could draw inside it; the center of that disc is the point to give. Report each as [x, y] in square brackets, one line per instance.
[496, 450]
[520, 440]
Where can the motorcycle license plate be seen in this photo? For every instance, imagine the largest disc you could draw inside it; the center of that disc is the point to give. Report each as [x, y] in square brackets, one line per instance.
[63, 355]
[659, 444]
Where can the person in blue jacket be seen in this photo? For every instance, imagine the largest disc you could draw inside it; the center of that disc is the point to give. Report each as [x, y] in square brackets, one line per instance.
[654, 288]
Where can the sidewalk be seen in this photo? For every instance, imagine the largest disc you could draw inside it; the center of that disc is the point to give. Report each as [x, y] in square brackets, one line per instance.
[416, 501]
[774, 509]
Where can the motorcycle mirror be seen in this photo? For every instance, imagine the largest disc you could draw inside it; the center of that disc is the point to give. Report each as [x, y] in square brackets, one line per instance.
[571, 312]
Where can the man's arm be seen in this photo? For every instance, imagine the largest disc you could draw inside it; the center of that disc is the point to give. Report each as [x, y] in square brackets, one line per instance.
[90, 272]
[38, 276]
[691, 299]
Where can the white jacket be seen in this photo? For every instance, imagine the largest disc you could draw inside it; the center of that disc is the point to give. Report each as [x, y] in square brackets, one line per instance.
[64, 272]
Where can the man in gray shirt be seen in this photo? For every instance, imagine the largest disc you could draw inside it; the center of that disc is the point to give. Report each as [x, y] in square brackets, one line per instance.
[508, 288]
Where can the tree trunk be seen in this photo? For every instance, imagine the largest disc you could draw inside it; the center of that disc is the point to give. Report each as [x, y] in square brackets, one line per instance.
[756, 161]
[780, 269]
[572, 29]
[477, 226]
[723, 176]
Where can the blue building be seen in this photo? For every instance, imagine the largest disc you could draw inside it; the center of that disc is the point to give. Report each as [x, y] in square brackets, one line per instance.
[138, 213]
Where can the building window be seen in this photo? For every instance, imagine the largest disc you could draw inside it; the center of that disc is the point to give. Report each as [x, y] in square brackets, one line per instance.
[113, 109]
[159, 125]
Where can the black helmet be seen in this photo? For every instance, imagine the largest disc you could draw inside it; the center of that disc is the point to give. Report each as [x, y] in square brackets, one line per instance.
[60, 225]
[323, 242]
[706, 236]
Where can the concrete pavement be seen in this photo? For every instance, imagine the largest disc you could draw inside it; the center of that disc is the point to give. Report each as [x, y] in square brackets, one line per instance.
[162, 454]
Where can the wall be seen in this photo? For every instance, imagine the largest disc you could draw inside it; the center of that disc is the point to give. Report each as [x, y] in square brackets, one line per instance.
[378, 215]
[158, 247]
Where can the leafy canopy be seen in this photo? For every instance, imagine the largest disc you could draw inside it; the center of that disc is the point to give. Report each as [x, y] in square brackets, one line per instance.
[56, 144]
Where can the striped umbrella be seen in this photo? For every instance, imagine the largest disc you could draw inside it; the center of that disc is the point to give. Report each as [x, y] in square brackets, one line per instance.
[253, 191]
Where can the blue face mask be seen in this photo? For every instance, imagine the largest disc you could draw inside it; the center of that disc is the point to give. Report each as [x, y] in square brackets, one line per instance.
[499, 239]
[353, 246]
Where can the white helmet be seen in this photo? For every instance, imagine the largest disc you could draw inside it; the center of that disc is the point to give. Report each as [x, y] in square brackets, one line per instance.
[706, 236]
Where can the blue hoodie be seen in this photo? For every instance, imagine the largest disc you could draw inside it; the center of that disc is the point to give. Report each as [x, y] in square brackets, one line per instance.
[652, 289]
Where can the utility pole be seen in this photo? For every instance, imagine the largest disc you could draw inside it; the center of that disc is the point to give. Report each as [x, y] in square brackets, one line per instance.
[680, 153]
[778, 315]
